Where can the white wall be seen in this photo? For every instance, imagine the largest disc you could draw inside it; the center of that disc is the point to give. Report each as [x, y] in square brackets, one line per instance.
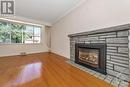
[16, 49]
[92, 15]
[48, 38]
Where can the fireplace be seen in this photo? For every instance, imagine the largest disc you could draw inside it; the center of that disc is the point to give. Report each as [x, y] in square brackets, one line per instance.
[92, 56]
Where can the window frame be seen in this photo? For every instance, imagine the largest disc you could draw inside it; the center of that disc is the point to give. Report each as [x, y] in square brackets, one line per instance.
[22, 42]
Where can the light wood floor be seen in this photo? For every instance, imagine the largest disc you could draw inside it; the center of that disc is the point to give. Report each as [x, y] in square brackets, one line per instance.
[44, 70]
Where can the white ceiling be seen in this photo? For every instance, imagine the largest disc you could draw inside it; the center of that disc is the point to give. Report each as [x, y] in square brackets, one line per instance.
[44, 10]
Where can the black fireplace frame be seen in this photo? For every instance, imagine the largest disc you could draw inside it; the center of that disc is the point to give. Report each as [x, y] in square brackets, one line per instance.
[102, 55]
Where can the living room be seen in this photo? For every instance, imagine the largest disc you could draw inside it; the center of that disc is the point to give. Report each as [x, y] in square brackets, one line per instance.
[64, 43]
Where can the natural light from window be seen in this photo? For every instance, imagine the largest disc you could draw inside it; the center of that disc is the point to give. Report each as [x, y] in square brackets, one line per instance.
[19, 33]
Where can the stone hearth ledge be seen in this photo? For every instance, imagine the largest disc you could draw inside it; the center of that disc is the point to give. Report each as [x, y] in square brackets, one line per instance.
[107, 78]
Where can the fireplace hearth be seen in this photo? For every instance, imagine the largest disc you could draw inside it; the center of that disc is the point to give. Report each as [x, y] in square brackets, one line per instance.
[92, 56]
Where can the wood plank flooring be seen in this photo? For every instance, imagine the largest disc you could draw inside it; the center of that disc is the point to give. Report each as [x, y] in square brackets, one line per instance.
[44, 70]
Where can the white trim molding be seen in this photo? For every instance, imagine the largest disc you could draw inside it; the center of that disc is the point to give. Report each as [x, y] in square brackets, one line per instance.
[24, 20]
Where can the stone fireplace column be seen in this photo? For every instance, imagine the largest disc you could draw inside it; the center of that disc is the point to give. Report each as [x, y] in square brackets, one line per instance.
[129, 53]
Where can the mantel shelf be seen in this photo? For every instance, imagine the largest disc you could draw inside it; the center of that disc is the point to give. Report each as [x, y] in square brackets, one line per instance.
[104, 30]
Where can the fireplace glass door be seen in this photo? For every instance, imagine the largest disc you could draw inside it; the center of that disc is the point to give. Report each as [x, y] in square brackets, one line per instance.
[89, 57]
[92, 56]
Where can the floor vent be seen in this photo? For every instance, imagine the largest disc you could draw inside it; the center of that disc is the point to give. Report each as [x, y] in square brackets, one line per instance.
[23, 53]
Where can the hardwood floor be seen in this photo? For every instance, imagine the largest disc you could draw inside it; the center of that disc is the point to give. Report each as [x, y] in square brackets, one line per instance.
[44, 70]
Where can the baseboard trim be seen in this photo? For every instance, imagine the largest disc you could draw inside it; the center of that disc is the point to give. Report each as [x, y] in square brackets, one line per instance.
[59, 55]
[11, 56]
[21, 55]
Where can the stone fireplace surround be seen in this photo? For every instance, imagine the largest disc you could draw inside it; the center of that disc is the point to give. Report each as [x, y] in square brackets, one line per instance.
[117, 40]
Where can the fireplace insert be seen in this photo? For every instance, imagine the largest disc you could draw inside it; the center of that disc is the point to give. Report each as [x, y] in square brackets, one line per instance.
[92, 56]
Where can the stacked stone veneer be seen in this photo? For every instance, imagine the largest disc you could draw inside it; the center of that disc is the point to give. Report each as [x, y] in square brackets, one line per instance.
[117, 49]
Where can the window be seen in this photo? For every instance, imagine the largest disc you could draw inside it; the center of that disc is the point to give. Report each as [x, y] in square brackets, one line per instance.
[28, 34]
[19, 33]
[5, 33]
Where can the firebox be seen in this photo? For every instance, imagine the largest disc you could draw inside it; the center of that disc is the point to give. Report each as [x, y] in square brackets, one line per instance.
[92, 56]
